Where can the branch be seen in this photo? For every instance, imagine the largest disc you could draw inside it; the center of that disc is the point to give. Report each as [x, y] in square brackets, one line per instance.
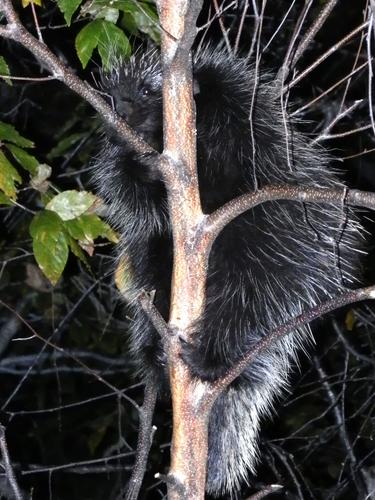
[49, 343]
[222, 216]
[284, 330]
[320, 20]
[14, 30]
[267, 490]
[326, 54]
[157, 320]
[7, 464]
[145, 435]
[330, 89]
[326, 132]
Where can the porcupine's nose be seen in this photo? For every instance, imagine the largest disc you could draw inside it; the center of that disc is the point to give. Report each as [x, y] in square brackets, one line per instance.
[125, 108]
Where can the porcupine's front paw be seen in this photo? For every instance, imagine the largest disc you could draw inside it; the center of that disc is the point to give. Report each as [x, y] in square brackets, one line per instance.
[202, 364]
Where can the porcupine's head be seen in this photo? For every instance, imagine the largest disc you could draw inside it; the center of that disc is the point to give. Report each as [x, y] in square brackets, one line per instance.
[135, 87]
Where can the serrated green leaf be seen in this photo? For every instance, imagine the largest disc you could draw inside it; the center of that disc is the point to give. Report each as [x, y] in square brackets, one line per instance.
[50, 244]
[26, 160]
[87, 40]
[10, 134]
[4, 70]
[71, 204]
[87, 228]
[68, 7]
[112, 44]
[9, 177]
[4, 200]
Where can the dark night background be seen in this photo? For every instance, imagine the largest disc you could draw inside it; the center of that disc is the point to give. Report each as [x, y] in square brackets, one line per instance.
[63, 424]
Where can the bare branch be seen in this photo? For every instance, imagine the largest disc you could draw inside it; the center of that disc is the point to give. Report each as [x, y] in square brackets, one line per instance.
[370, 72]
[336, 119]
[49, 343]
[221, 217]
[145, 435]
[146, 301]
[240, 28]
[320, 20]
[326, 54]
[280, 332]
[7, 464]
[267, 490]
[339, 135]
[224, 32]
[286, 67]
[330, 89]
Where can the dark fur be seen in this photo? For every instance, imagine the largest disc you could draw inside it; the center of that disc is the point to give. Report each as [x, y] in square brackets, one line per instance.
[267, 266]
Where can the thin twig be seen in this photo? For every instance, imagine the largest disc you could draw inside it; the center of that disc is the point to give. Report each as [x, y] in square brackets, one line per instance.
[222, 27]
[329, 90]
[37, 27]
[7, 464]
[145, 435]
[159, 323]
[326, 54]
[313, 30]
[336, 119]
[270, 339]
[370, 72]
[279, 26]
[339, 135]
[49, 343]
[28, 78]
[267, 490]
[240, 28]
[286, 67]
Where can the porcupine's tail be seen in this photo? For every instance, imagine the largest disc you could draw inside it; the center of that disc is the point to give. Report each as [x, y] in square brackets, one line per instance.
[234, 421]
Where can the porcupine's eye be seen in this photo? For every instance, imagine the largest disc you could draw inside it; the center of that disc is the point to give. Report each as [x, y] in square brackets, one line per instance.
[145, 91]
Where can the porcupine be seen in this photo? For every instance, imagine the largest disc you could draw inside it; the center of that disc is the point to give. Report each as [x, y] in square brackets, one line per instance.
[266, 266]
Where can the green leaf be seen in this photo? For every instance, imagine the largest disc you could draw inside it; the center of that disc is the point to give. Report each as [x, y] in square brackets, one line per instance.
[110, 14]
[50, 244]
[4, 70]
[10, 134]
[87, 228]
[68, 7]
[87, 40]
[77, 250]
[8, 177]
[27, 161]
[65, 144]
[113, 44]
[143, 15]
[100, 9]
[71, 204]
[4, 200]
[111, 41]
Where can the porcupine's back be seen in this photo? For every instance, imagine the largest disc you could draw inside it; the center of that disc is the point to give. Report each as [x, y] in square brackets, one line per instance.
[265, 267]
